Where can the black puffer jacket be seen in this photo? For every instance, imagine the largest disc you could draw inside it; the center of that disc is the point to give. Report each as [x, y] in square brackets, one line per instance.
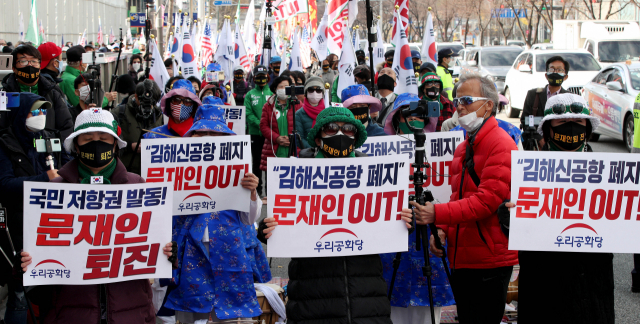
[59, 117]
[336, 290]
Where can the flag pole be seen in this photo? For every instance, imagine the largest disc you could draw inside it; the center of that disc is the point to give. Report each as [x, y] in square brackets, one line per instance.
[230, 62]
[371, 38]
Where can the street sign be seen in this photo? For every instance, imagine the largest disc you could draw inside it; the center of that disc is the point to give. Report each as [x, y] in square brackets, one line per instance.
[508, 13]
[222, 3]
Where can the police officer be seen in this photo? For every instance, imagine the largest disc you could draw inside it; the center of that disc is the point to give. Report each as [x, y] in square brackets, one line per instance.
[445, 57]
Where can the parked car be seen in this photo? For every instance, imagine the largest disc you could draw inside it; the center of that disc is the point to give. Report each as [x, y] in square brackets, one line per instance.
[516, 43]
[611, 95]
[492, 61]
[528, 72]
[542, 46]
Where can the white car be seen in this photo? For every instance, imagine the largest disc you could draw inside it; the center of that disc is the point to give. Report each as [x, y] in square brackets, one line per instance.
[528, 72]
[611, 95]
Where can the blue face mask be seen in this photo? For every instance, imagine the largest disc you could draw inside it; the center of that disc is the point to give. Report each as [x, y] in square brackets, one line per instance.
[59, 67]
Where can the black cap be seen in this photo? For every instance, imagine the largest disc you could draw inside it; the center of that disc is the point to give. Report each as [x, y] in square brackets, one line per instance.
[125, 84]
[390, 52]
[447, 52]
[427, 66]
[260, 69]
[361, 68]
[360, 53]
[74, 54]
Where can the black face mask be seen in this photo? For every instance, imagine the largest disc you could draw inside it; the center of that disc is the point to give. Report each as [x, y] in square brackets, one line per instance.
[28, 74]
[361, 61]
[276, 69]
[96, 154]
[337, 146]
[569, 136]
[555, 79]
[238, 76]
[361, 114]
[390, 63]
[416, 68]
[325, 68]
[385, 82]
[261, 81]
[432, 92]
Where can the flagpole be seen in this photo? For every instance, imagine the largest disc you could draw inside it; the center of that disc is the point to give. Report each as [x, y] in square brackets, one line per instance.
[230, 64]
[370, 39]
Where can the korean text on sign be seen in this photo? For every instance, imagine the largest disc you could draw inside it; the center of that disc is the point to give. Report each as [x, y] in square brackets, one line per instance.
[334, 207]
[205, 172]
[582, 202]
[91, 234]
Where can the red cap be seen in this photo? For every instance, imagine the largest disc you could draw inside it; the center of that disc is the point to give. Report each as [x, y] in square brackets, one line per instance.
[49, 51]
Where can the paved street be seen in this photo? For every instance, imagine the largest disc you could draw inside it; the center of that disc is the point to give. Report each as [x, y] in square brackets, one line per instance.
[627, 303]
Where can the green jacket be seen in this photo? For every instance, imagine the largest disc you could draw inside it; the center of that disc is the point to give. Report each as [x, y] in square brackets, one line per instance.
[68, 77]
[254, 101]
[304, 123]
[131, 131]
[334, 91]
[447, 80]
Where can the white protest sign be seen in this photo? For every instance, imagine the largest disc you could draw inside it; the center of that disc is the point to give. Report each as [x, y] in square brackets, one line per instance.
[286, 9]
[82, 234]
[205, 171]
[236, 120]
[579, 202]
[439, 149]
[337, 207]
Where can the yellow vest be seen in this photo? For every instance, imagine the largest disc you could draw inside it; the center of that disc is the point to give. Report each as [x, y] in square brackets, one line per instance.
[447, 81]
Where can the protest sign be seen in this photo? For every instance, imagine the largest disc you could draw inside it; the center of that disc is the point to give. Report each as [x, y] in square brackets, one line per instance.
[439, 149]
[579, 202]
[236, 120]
[205, 171]
[82, 234]
[337, 207]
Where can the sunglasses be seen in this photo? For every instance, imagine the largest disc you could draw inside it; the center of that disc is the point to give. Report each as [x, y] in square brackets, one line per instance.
[576, 108]
[466, 100]
[333, 129]
[37, 112]
[178, 101]
[316, 90]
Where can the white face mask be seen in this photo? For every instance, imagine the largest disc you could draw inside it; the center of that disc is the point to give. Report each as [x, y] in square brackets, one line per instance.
[314, 98]
[84, 93]
[36, 123]
[470, 122]
[282, 94]
[136, 66]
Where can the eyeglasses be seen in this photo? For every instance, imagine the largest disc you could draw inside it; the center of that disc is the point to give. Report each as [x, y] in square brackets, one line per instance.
[180, 101]
[34, 63]
[432, 84]
[554, 70]
[576, 108]
[466, 100]
[316, 90]
[333, 129]
[36, 112]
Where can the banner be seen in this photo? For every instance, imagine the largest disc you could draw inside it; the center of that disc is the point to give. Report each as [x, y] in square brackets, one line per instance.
[205, 171]
[319, 41]
[337, 207]
[578, 202]
[286, 9]
[157, 71]
[378, 51]
[188, 60]
[403, 64]
[337, 10]
[429, 43]
[313, 16]
[347, 64]
[236, 118]
[94, 234]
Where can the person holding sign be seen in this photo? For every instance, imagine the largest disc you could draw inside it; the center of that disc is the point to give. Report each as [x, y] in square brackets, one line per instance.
[410, 302]
[481, 181]
[180, 105]
[585, 280]
[96, 144]
[357, 99]
[347, 289]
[214, 275]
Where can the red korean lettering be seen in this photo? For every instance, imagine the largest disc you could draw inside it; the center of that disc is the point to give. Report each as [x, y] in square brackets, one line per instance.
[177, 183]
[136, 255]
[127, 223]
[96, 260]
[155, 175]
[190, 174]
[631, 197]
[527, 197]
[356, 215]
[598, 197]
[571, 198]
[368, 216]
[53, 225]
[545, 205]
[104, 225]
[329, 204]
[283, 206]
[389, 196]
[85, 230]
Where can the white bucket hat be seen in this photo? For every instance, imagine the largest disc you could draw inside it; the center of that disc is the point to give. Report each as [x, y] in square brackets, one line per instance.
[94, 120]
[566, 100]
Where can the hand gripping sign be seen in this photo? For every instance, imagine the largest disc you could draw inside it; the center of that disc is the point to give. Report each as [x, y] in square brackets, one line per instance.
[579, 202]
[337, 207]
[91, 234]
[205, 172]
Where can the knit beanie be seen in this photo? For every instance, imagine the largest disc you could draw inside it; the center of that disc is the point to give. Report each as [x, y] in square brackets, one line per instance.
[564, 101]
[428, 77]
[337, 114]
[94, 120]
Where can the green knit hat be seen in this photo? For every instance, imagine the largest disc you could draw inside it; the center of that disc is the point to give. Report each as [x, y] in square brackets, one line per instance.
[428, 77]
[337, 114]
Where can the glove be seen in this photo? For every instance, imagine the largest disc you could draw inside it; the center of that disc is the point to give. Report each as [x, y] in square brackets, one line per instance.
[504, 217]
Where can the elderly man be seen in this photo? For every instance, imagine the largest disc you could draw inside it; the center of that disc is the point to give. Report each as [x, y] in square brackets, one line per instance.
[478, 251]
[386, 84]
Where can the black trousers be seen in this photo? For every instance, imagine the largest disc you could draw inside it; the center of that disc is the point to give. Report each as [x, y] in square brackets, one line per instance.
[480, 294]
[257, 141]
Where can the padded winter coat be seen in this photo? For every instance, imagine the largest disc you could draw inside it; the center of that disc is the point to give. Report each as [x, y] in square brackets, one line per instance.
[270, 131]
[470, 219]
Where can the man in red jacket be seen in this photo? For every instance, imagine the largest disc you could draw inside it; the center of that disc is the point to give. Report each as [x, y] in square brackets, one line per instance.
[481, 180]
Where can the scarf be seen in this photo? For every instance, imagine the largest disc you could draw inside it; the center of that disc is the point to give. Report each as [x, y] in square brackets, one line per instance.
[181, 128]
[106, 173]
[313, 111]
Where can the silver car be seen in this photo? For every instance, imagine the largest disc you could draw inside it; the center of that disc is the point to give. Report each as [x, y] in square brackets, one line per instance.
[611, 95]
[492, 61]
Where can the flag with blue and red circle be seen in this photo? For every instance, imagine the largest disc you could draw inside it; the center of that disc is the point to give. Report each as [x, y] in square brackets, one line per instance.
[406, 81]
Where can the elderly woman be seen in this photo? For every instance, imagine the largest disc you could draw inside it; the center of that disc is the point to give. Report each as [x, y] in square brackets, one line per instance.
[213, 244]
[180, 105]
[357, 99]
[585, 280]
[313, 104]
